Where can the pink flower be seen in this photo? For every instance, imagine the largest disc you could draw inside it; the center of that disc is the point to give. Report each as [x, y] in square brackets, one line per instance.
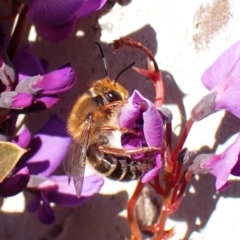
[141, 115]
[223, 80]
[219, 165]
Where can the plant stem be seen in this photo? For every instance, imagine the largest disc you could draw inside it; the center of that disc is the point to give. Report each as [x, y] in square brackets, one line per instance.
[136, 233]
[183, 137]
[175, 181]
[125, 41]
[18, 33]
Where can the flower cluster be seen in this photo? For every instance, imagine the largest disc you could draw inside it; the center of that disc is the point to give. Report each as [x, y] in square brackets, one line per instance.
[223, 80]
[27, 84]
[47, 149]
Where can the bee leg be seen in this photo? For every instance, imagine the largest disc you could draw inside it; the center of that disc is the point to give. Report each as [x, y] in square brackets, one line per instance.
[121, 129]
[128, 152]
[114, 104]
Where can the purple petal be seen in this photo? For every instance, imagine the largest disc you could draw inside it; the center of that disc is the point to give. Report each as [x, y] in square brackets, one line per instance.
[45, 212]
[197, 165]
[14, 184]
[48, 148]
[26, 64]
[66, 194]
[25, 86]
[53, 13]
[154, 172]
[204, 107]
[59, 33]
[15, 100]
[132, 142]
[223, 78]
[152, 126]
[41, 183]
[220, 165]
[23, 139]
[225, 68]
[152, 121]
[89, 7]
[228, 97]
[130, 112]
[45, 102]
[22, 100]
[56, 81]
[34, 204]
[6, 99]
[236, 169]
[7, 72]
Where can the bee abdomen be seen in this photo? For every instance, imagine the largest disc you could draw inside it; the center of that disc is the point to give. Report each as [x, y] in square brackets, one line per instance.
[129, 169]
[117, 167]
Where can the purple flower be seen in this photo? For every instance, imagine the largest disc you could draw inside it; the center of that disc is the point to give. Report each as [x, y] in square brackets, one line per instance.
[141, 115]
[56, 19]
[7, 73]
[14, 184]
[220, 165]
[55, 189]
[48, 148]
[35, 89]
[223, 80]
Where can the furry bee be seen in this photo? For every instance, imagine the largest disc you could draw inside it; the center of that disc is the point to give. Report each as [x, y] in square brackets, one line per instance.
[96, 135]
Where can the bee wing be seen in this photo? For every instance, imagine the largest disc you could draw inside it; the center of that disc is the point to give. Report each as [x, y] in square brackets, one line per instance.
[74, 164]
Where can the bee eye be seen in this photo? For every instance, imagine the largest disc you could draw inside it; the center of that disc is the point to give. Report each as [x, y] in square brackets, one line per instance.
[112, 96]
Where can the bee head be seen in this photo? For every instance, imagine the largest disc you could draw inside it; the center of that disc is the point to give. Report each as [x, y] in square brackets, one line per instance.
[110, 90]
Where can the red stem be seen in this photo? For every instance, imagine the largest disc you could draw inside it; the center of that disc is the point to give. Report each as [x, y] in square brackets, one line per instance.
[136, 233]
[187, 177]
[169, 136]
[183, 137]
[157, 186]
[159, 90]
[7, 18]
[172, 180]
[18, 33]
[125, 41]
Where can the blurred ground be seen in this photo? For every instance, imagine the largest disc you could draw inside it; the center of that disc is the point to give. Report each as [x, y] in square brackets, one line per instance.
[186, 37]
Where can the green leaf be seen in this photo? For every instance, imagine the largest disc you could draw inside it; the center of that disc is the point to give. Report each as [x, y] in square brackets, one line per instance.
[9, 155]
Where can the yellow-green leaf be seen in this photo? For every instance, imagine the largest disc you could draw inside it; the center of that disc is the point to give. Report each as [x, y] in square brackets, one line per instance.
[9, 155]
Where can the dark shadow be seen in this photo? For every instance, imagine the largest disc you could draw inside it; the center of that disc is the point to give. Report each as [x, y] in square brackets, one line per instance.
[90, 220]
[199, 204]
[174, 95]
[93, 218]
[229, 126]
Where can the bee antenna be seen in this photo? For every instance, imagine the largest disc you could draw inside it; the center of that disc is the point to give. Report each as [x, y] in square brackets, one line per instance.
[125, 69]
[103, 58]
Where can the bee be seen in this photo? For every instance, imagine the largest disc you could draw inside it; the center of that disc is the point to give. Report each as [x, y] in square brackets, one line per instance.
[96, 134]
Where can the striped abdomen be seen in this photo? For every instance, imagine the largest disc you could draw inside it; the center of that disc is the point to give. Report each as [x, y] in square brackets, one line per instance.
[117, 167]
